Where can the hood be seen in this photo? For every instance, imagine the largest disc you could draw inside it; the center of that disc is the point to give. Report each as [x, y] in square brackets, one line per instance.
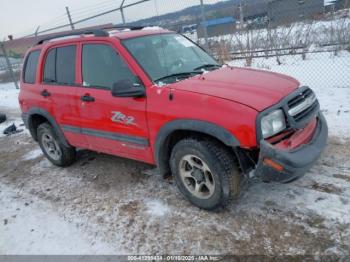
[255, 88]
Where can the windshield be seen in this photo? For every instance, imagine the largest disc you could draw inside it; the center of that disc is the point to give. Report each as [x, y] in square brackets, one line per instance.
[169, 56]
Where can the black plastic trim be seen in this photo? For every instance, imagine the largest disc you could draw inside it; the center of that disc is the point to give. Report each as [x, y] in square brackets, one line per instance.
[107, 135]
[27, 117]
[161, 145]
[95, 32]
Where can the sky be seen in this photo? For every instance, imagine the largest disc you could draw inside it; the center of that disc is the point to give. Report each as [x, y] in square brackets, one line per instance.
[22, 17]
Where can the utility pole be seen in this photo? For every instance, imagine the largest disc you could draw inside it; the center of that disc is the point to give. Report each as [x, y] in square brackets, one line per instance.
[122, 12]
[36, 31]
[241, 14]
[204, 25]
[123, 17]
[70, 18]
[9, 66]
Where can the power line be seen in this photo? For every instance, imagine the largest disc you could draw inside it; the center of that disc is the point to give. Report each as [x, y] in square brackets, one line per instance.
[84, 11]
[94, 6]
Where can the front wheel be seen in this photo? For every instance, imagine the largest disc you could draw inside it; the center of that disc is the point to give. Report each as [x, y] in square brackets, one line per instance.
[205, 173]
[53, 148]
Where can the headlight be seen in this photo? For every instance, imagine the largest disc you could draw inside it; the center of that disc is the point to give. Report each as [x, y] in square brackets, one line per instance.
[273, 123]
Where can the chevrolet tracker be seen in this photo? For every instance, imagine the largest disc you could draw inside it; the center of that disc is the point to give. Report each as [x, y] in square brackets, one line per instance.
[156, 97]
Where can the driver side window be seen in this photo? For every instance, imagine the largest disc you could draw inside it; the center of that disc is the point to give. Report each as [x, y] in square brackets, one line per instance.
[102, 67]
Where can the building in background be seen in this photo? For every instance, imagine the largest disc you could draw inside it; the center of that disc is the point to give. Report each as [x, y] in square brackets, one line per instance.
[18, 47]
[189, 29]
[335, 5]
[216, 27]
[280, 11]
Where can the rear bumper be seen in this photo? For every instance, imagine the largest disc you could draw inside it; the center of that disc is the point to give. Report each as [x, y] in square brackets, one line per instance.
[292, 164]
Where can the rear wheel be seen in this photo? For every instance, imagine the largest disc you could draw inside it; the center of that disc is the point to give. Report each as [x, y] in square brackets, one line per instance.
[205, 173]
[53, 148]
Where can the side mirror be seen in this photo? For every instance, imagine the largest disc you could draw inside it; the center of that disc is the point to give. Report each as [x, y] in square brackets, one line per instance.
[128, 88]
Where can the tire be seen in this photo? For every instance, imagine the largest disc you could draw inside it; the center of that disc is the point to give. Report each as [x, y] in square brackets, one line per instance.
[211, 167]
[53, 148]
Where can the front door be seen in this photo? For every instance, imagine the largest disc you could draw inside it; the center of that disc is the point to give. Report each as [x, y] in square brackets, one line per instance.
[110, 124]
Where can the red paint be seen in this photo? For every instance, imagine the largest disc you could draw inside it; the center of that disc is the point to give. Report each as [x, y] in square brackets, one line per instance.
[300, 137]
[230, 98]
[254, 88]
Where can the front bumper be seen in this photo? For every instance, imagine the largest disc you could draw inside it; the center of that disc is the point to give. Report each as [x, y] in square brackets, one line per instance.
[291, 164]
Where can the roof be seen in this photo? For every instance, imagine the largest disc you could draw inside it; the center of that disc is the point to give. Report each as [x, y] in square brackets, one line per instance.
[108, 32]
[21, 45]
[139, 33]
[100, 34]
[219, 21]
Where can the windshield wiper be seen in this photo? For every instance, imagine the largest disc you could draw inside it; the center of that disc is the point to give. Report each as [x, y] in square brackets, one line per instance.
[206, 66]
[179, 75]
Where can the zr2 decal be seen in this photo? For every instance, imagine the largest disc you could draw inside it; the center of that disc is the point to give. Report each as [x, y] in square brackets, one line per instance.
[119, 117]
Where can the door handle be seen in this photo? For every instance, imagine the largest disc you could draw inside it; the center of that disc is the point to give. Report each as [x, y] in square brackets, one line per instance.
[87, 98]
[45, 93]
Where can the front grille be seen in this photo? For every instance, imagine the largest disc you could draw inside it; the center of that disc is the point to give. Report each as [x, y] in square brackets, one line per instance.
[300, 98]
[306, 112]
[303, 105]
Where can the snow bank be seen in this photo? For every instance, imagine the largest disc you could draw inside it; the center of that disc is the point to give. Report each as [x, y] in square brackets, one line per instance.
[9, 105]
[9, 95]
[33, 154]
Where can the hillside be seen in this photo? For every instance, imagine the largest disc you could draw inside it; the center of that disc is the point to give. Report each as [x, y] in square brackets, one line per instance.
[224, 8]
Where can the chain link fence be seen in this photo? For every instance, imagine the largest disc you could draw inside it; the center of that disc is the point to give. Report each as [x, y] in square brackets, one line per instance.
[312, 44]
[315, 51]
[10, 67]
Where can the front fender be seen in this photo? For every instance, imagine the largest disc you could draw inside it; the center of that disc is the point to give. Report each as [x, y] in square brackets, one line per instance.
[162, 150]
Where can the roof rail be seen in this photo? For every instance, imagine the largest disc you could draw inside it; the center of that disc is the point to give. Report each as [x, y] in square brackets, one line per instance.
[95, 32]
[124, 27]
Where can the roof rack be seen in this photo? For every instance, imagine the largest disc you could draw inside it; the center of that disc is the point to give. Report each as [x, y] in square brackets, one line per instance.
[95, 32]
[124, 27]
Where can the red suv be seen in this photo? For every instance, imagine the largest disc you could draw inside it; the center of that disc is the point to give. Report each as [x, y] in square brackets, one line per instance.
[156, 97]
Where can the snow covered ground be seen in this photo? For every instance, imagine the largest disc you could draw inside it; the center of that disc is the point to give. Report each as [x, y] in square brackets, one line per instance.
[9, 104]
[9, 96]
[109, 205]
[32, 226]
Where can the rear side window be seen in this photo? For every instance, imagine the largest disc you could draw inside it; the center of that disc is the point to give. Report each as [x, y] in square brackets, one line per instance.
[31, 65]
[65, 64]
[60, 66]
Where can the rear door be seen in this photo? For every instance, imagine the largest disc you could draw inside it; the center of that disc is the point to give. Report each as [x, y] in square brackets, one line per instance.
[59, 87]
[111, 124]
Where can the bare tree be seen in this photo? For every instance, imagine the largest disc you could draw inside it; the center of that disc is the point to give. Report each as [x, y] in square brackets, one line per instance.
[278, 38]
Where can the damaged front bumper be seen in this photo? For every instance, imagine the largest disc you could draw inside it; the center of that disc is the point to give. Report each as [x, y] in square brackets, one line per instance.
[283, 165]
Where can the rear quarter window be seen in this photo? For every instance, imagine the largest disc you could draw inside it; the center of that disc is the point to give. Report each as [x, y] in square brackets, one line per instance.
[30, 67]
